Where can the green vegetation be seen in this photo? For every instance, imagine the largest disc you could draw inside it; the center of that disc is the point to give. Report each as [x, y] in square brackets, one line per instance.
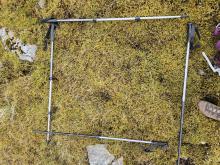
[120, 79]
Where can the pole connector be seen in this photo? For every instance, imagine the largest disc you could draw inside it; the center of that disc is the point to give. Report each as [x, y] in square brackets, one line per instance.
[50, 32]
[49, 20]
[155, 145]
[184, 16]
[137, 18]
[193, 36]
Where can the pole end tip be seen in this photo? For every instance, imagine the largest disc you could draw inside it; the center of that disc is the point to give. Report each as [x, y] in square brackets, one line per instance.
[184, 16]
[48, 20]
[44, 20]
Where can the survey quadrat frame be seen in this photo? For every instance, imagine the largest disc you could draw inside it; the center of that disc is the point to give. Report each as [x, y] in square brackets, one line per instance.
[53, 23]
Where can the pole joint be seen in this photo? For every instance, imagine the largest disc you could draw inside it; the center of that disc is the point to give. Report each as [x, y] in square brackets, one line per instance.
[194, 36]
[50, 32]
[137, 19]
[184, 16]
[155, 145]
[49, 20]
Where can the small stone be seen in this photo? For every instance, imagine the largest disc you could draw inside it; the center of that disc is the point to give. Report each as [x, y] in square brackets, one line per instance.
[99, 155]
[3, 35]
[28, 52]
[42, 3]
[201, 72]
[118, 162]
[203, 142]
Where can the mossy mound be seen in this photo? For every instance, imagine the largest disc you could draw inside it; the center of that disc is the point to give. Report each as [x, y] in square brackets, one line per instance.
[120, 79]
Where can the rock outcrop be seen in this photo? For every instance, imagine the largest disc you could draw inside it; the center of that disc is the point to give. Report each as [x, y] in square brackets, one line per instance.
[25, 52]
[99, 155]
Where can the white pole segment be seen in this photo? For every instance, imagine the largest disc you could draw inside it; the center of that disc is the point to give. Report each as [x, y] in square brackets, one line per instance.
[51, 81]
[115, 19]
[184, 96]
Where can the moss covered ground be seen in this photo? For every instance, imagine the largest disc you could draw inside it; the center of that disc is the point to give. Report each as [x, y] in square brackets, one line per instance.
[120, 79]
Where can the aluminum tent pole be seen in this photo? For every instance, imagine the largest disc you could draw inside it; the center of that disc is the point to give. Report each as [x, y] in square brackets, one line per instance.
[113, 19]
[192, 31]
[52, 29]
[183, 101]
[102, 137]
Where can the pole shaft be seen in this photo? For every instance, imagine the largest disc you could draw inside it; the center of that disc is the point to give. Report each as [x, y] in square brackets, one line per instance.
[97, 137]
[183, 101]
[126, 140]
[114, 19]
[50, 81]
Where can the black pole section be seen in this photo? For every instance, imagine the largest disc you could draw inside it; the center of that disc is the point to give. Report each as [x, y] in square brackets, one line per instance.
[191, 45]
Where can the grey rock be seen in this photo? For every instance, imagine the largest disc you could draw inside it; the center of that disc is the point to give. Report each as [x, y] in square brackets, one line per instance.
[42, 3]
[118, 162]
[28, 52]
[4, 36]
[25, 52]
[201, 72]
[99, 155]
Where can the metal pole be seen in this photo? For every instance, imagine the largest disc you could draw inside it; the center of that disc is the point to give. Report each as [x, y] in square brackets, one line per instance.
[184, 94]
[51, 80]
[101, 137]
[113, 19]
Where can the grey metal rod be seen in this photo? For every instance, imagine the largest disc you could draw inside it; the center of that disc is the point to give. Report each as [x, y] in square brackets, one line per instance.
[51, 81]
[184, 97]
[114, 19]
[100, 137]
